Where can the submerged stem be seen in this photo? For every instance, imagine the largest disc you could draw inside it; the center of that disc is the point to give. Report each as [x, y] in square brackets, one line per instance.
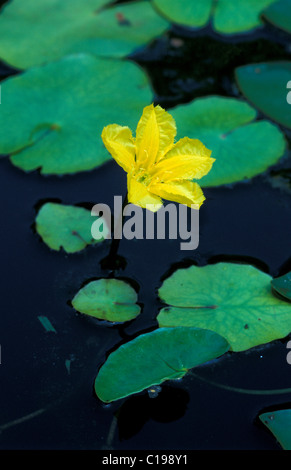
[279, 391]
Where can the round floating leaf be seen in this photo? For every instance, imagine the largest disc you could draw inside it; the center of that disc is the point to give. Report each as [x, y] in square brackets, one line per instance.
[235, 301]
[265, 86]
[152, 358]
[67, 227]
[35, 33]
[236, 17]
[242, 148]
[282, 285]
[228, 17]
[185, 12]
[279, 14]
[107, 299]
[279, 423]
[52, 116]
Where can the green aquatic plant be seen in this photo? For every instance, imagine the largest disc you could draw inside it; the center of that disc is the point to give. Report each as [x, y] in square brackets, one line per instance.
[282, 285]
[242, 145]
[113, 300]
[234, 300]
[152, 358]
[279, 423]
[265, 86]
[67, 90]
[279, 14]
[226, 16]
[36, 33]
[65, 227]
[69, 102]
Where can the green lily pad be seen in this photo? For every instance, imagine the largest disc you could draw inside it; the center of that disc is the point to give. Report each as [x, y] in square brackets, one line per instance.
[113, 300]
[236, 17]
[64, 226]
[52, 116]
[234, 300]
[152, 358]
[279, 423]
[242, 147]
[41, 32]
[185, 12]
[279, 14]
[282, 285]
[228, 17]
[265, 86]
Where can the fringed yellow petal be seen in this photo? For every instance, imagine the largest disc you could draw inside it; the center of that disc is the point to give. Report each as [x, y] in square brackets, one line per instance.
[167, 130]
[119, 142]
[140, 196]
[186, 192]
[155, 135]
[188, 159]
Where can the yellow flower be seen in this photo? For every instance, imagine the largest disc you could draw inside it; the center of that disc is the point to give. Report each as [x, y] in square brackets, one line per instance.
[156, 166]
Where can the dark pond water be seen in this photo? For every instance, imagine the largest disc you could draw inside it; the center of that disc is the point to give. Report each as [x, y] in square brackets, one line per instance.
[45, 404]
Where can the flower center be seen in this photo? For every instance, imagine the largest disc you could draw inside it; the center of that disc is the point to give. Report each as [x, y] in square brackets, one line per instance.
[142, 176]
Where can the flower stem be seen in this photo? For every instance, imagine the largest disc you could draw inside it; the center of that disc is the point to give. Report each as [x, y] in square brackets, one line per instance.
[113, 261]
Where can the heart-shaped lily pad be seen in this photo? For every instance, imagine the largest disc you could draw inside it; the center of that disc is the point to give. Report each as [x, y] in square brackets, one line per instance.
[67, 227]
[282, 285]
[113, 300]
[279, 423]
[34, 33]
[242, 147]
[266, 86]
[234, 300]
[228, 17]
[279, 14]
[152, 358]
[52, 116]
